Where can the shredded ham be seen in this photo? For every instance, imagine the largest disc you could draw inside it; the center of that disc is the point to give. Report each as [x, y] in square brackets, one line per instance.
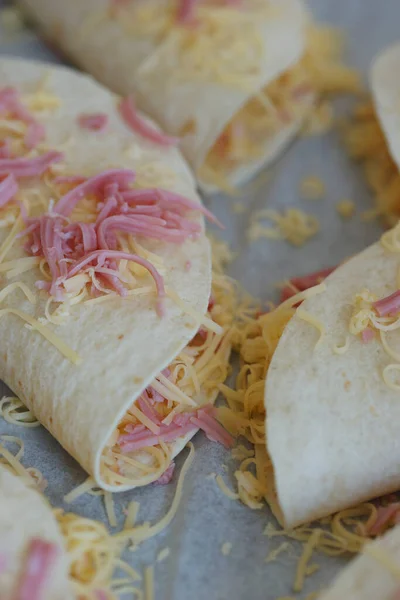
[8, 189]
[40, 559]
[388, 305]
[93, 122]
[186, 11]
[386, 516]
[166, 477]
[139, 125]
[5, 148]
[138, 436]
[29, 167]
[300, 284]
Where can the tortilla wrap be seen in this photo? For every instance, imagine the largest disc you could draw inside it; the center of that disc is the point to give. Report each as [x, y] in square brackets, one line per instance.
[386, 93]
[123, 342]
[374, 574]
[199, 108]
[25, 515]
[331, 419]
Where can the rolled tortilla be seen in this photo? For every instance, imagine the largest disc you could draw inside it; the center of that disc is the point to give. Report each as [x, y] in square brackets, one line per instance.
[374, 574]
[25, 516]
[123, 343]
[236, 54]
[331, 418]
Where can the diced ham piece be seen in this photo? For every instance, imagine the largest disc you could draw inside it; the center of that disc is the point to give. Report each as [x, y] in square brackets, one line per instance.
[37, 570]
[11, 105]
[93, 122]
[388, 305]
[304, 283]
[8, 189]
[29, 167]
[166, 477]
[140, 126]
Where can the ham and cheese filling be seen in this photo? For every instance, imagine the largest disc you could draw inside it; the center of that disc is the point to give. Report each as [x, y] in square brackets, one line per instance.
[366, 143]
[176, 405]
[281, 104]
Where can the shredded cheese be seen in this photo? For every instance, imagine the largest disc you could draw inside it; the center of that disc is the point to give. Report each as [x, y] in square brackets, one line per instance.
[346, 208]
[293, 225]
[305, 316]
[312, 188]
[15, 412]
[226, 548]
[225, 489]
[149, 583]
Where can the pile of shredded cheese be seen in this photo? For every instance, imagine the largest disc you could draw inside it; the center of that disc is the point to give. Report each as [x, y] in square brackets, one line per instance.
[366, 143]
[293, 225]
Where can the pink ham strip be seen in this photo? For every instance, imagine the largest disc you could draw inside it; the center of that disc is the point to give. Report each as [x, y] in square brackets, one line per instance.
[40, 560]
[29, 167]
[166, 477]
[139, 125]
[34, 135]
[385, 517]
[186, 11]
[94, 185]
[182, 424]
[388, 305]
[101, 595]
[93, 122]
[5, 148]
[8, 189]
[206, 421]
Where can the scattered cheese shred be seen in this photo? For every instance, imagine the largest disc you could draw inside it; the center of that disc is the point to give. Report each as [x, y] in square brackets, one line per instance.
[163, 554]
[293, 225]
[312, 188]
[273, 554]
[226, 548]
[149, 583]
[225, 489]
[15, 412]
[309, 548]
[346, 209]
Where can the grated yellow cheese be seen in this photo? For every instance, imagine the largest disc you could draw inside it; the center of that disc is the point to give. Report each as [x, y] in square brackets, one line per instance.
[225, 489]
[15, 412]
[293, 225]
[346, 208]
[149, 583]
[163, 554]
[312, 188]
[226, 548]
[319, 326]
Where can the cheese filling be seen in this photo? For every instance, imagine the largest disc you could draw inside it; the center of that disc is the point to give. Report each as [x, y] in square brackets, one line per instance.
[176, 404]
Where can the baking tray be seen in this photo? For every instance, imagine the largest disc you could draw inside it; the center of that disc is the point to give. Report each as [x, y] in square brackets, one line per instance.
[196, 566]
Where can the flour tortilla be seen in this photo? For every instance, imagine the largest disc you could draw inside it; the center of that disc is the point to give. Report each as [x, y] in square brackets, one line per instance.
[24, 515]
[366, 578]
[385, 87]
[123, 343]
[331, 419]
[127, 64]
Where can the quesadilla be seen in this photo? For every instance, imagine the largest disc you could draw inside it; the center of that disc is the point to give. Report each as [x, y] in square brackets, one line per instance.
[111, 333]
[233, 81]
[33, 561]
[332, 390]
[374, 574]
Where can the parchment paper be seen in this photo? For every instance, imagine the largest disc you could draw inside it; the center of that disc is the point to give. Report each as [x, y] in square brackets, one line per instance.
[196, 567]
